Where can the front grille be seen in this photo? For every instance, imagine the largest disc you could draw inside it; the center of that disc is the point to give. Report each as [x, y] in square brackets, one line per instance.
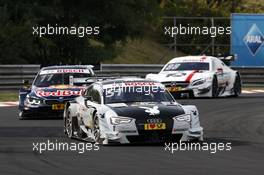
[154, 137]
[50, 102]
[182, 84]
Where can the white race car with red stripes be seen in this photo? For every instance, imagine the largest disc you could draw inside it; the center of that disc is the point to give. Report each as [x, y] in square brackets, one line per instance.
[199, 76]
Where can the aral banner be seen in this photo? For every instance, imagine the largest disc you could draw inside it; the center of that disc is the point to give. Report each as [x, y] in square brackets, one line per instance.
[247, 39]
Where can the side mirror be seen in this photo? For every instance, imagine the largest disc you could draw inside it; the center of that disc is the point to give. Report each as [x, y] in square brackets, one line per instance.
[26, 83]
[88, 98]
[71, 81]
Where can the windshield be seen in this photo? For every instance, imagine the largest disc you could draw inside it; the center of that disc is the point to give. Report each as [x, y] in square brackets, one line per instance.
[187, 66]
[136, 94]
[46, 80]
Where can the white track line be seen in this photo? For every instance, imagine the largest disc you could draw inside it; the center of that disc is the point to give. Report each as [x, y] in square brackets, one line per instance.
[6, 104]
[253, 91]
[259, 91]
[247, 92]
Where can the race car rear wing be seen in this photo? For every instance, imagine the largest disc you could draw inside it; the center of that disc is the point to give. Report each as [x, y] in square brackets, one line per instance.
[227, 59]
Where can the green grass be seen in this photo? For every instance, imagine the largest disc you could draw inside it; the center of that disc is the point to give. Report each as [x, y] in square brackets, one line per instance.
[8, 96]
[143, 51]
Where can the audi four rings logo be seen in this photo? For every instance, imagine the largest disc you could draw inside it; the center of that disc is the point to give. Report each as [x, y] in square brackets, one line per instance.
[154, 120]
[173, 84]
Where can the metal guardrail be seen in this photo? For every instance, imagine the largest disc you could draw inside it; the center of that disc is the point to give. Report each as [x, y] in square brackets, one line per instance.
[12, 76]
[251, 76]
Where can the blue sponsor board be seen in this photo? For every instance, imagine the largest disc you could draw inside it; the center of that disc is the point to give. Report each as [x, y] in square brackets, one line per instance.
[247, 39]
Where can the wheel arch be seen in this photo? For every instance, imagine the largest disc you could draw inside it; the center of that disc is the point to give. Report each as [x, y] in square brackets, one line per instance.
[235, 75]
[72, 105]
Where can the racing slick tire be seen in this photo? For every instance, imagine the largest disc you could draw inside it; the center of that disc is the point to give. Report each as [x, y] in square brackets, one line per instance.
[96, 130]
[237, 86]
[70, 124]
[215, 87]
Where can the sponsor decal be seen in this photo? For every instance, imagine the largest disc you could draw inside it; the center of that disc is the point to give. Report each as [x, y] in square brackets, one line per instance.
[60, 71]
[61, 93]
[70, 71]
[154, 126]
[203, 59]
[254, 39]
[152, 111]
[140, 84]
[57, 107]
[174, 89]
[62, 86]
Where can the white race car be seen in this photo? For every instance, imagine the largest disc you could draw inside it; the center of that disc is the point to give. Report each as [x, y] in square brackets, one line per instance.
[130, 111]
[199, 76]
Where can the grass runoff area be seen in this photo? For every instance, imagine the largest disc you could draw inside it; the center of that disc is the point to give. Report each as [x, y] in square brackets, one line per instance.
[13, 95]
[8, 96]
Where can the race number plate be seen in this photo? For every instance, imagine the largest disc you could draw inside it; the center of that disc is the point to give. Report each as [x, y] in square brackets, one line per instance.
[57, 106]
[174, 89]
[154, 126]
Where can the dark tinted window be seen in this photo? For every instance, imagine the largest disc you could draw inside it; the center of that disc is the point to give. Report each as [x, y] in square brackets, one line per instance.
[94, 94]
[46, 80]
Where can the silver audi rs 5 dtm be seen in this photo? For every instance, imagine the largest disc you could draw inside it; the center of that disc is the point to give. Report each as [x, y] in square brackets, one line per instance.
[130, 111]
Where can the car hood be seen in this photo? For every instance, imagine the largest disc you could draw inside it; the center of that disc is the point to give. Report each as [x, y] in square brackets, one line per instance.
[142, 111]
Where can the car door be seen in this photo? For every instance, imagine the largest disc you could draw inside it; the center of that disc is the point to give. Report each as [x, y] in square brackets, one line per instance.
[219, 70]
[226, 74]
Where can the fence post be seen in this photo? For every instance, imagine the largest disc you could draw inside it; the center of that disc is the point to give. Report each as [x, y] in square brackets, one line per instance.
[213, 40]
[175, 37]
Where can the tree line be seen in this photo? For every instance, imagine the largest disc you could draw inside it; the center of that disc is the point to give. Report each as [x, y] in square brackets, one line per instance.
[119, 20]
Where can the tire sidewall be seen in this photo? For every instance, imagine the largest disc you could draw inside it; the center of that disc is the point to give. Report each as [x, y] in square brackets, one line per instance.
[237, 86]
[68, 117]
[214, 87]
[96, 129]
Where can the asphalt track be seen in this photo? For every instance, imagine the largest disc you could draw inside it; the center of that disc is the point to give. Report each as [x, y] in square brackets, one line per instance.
[236, 120]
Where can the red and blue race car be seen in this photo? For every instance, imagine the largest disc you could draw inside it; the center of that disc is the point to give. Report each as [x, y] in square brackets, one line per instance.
[52, 88]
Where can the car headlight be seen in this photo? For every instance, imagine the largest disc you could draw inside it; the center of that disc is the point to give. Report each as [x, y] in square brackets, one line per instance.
[198, 81]
[33, 101]
[182, 118]
[120, 120]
